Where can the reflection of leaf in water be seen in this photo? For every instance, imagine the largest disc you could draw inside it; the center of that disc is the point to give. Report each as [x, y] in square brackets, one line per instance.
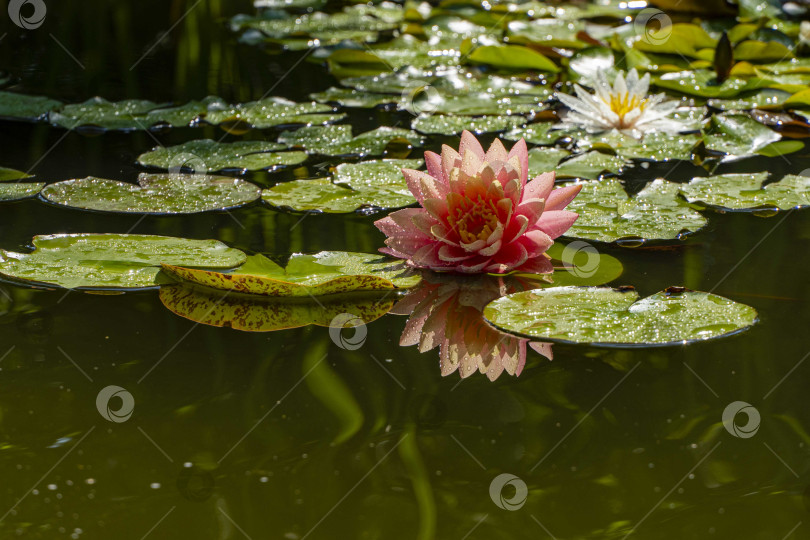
[258, 314]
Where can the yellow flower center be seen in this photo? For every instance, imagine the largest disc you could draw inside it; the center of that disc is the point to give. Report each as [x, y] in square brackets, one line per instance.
[622, 104]
[473, 220]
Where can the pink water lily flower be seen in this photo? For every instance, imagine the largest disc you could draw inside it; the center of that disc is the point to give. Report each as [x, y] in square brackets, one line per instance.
[478, 212]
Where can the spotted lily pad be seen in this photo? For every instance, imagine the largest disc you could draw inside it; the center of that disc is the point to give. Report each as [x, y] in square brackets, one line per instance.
[654, 146]
[745, 192]
[24, 107]
[608, 214]
[442, 124]
[111, 261]
[338, 141]
[262, 314]
[154, 194]
[271, 111]
[368, 187]
[209, 156]
[738, 135]
[327, 272]
[98, 112]
[607, 317]
[590, 165]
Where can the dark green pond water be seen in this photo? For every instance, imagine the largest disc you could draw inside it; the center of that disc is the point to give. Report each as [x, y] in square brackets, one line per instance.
[286, 435]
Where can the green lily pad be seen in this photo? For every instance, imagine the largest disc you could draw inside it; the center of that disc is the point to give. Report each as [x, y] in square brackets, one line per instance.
[209, 156]
[272, 111]
[111, 261]
[541, 133]
[683, 39]
[23, 107]
[702, 83]
[512, 57]
[338, 141]
[98, 112]
[11, 190]
[7, 174]
[761, 51]
[765, 98]
[654, 146]
[374, 173]
[745, 192]
[590, 165]
[545, 159]
[737, 135]
[452, 125]
[154, 194]
[580, 264]
[327, 272]
[349, 97]
[366, 187]
[608, 214]
[547, 33]
[260, 314]
[600, 316]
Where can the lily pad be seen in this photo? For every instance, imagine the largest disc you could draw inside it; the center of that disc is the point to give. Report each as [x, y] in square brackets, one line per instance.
[541, 133]
[701, 82]
[608, 214]
[338, 141]
[271, 111]
[124, 115]
[590, 165]
[738, 135]
[367, 187]
[545, 159]
[154, 194]
[607, 317]
[209, 156]
[11, 190]
[327, 272]
[24, 107]
[745, 192]
[111, 261]
[260, 314]
[655, 146]
[452, 125]
[512, 57]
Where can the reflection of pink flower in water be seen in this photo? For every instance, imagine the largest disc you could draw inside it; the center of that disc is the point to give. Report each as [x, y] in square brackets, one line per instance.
[447, 313]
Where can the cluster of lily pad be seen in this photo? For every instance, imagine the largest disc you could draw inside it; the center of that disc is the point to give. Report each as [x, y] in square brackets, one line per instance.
[738, 88]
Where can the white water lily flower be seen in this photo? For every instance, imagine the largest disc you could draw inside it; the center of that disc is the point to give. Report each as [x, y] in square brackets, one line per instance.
[626, 107]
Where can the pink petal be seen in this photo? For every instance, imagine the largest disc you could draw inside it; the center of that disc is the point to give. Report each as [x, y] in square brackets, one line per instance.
[531, 208]
[520, 151]
[450, 160]
[536, 242]
[496, 152]
[452, 254]
[517, 226]
[469, 142]
[561, 197]
[556, 222]
[427, 256]
[433, 161]
[540, 187]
